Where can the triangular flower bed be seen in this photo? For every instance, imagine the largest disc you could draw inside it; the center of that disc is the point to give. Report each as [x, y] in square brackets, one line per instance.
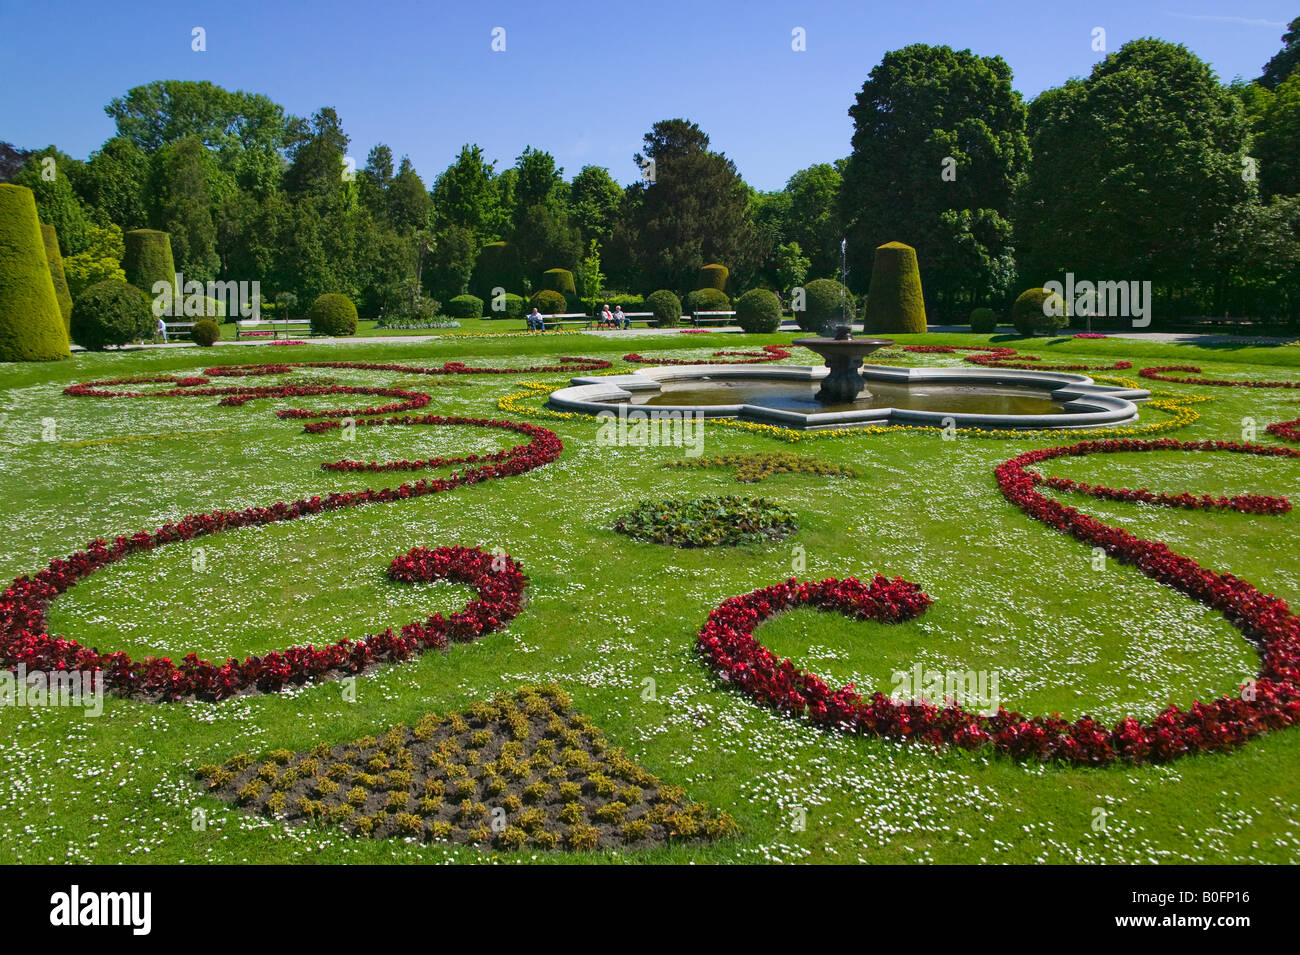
[520, 771]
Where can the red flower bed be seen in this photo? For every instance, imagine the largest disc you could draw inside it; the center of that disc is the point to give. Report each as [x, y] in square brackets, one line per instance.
[998, 356]
[24, 638]
[769, 353]
[1287, 430]
[1158, 373]
[1272, 702]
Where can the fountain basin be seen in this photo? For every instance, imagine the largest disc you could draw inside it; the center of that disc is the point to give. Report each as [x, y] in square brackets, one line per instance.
[843, 356]
[1078, 401]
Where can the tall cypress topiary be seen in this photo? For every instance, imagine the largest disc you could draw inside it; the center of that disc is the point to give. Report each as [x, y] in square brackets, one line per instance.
[559, 280]
[148, 259]
[31, 325]
[497, 266]
[894, 300]
[713, 276]
[57, 276]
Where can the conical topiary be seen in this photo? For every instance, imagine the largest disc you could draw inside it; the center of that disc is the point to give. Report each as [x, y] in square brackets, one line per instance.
[894, 301]
[31, 325]
[148, 259]
[60, 280]
[497, 267]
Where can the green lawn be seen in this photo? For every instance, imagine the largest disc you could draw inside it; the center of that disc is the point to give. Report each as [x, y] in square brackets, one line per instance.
[607, 614]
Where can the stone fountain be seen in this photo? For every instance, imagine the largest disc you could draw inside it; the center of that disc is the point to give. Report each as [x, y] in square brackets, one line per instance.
[843, 355]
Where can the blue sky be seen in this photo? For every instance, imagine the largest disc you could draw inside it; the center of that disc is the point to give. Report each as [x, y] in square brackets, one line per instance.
[583, 80]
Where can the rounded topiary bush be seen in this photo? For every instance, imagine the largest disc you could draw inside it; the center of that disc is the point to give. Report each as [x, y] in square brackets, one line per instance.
[894, 299]
[111, 312]
[1030, 313]
[57, 275]
[513, 306]
[713, 276]
[31, 325]
[205, 332]
[148, 258]
[465, 306]
[984, 321]
[707, 300]
[666, 306]
[559, 280]
[758, 311]
[549, 302]
[824, 305]
[334, 315]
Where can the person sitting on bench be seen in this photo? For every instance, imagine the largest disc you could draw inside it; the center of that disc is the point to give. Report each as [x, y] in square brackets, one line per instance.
[621, 320]
[606, 319]
[535, 321]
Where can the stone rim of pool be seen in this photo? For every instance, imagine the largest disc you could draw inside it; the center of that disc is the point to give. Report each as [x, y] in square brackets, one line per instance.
[1085, 404]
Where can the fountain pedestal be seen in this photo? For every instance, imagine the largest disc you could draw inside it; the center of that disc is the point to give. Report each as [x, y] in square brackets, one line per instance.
[843, 357]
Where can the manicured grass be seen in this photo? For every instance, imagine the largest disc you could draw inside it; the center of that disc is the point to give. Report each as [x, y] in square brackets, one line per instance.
[613, 619]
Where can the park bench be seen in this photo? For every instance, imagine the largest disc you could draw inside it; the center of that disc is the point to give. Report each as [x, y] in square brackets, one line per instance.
[711, 318]
[172, 330]
[647, 317]
[566, 319]
[290, 326]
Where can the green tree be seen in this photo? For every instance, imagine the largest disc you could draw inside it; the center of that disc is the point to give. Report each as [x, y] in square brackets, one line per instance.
[317, 162]
[465, 195]
[100, 259]
[695, 211]
[813, 220]
[56, 201]
[167, 111]
[1285, 61]
[790, 266]
[185, 186]
[935, 130]
[113, 184]
[594, 200]
[1277, 141]
[1136, 174]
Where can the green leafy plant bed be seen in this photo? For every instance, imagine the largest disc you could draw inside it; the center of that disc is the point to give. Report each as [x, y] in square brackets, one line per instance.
[751, 468]
[708, 522]
[522, 771]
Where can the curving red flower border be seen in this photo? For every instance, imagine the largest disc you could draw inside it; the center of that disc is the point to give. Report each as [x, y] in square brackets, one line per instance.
[1158, 373]
[24, 637]
[1273, 701]
[768, 353]
[1286, 430]
[999, 356]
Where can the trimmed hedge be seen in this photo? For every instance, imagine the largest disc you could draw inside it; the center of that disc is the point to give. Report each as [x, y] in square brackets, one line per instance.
[465, 306]
[205, 332]
[515, 307]
[1028, 315]
[894, 300]
[57, 275]
[549, 302]
[334, 315]
[983, 321]
[707, 300]
[111, 312]
[559, 280]
[148, 259]
[31, 325]
[666, 306]
[758, 312]
[824, 305]
[713, 276]
[497, 266]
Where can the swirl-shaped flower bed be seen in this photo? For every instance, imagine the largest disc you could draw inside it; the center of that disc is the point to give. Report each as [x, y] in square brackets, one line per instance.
[708, 522]
[1270, 702]
[1161, 373]
[497, 579]
[999, 356]
[768, 353]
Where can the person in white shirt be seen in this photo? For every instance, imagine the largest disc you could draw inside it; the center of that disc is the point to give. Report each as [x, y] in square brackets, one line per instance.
[621, 320]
